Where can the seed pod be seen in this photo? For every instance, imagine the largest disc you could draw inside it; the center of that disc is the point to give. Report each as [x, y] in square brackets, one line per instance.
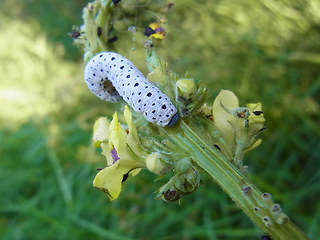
[110, 76]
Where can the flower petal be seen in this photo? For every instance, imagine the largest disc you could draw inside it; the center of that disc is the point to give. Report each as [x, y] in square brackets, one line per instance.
[222, 118]
[158, 35]
[100, 131]
[106, 151]
[110, 178]
[114, 154]
[132, 137]
[134, 172]
[117, 137]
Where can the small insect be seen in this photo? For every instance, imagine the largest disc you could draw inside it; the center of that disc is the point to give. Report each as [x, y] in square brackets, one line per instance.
[75, 34]
[111, 77]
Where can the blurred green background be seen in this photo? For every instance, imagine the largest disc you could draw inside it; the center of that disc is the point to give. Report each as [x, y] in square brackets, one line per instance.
[266, 51]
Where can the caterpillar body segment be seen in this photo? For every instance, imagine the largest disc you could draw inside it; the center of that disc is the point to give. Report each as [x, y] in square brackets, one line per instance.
[111, 77]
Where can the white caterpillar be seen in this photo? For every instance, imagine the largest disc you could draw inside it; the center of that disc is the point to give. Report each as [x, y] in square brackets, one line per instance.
[111, 77]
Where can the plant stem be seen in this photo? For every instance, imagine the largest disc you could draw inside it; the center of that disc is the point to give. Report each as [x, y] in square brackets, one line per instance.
[232, 181]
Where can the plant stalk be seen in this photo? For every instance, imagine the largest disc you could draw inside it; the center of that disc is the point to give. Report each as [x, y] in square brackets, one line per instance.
[233, 182]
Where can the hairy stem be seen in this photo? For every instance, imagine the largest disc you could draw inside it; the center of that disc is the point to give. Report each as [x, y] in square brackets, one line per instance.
[244, 193]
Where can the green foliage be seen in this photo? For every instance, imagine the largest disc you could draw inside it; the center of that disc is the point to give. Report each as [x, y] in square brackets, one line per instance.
[264, 51]
[55, 18]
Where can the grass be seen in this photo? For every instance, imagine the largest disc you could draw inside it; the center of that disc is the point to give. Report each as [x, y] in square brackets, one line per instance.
[50, 197]
[47, 163]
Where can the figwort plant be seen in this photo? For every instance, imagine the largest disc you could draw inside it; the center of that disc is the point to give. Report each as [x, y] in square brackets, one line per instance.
[170, 128]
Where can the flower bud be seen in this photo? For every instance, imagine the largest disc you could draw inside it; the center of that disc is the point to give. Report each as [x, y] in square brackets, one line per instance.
[100, 131]
[182, 165]
[155, 164]
[171, 195]
[190, 96]
[185, 87]
[168, 192]
[188, 182]
[180, 184]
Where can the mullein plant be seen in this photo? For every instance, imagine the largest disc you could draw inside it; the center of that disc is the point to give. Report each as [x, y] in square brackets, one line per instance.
[211, 138]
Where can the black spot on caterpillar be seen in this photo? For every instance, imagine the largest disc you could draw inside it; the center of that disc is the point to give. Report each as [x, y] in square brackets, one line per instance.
[111, 77]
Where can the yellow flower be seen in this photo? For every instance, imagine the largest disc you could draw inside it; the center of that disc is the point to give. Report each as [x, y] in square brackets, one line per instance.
[123, 151]
[238, 126]
[155, 31]
[222, 118]
[100, 131]
[256, 114]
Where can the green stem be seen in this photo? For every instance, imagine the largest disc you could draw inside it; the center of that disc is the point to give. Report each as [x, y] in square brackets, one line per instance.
[232, 181]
